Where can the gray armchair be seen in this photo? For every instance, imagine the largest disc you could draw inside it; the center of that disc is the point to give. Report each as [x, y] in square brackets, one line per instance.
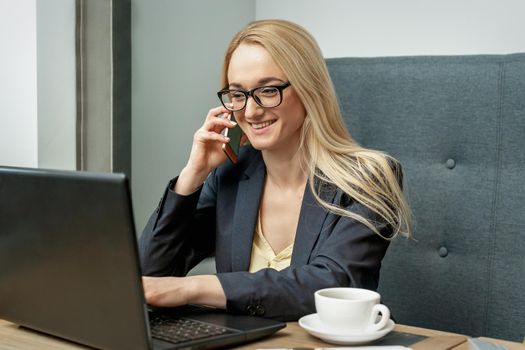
[457, 124]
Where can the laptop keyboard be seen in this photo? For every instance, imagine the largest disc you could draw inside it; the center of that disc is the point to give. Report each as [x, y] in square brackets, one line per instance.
[182, 330]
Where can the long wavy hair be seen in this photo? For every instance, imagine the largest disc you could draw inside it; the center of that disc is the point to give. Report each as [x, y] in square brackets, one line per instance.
[332, 156]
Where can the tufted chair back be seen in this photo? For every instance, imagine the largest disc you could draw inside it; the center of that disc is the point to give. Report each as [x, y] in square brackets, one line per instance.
[457, 124]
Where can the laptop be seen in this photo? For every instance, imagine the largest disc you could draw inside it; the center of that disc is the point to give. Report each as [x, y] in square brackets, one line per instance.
[69, 267]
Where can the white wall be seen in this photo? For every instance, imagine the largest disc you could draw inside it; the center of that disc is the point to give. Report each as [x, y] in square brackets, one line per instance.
[18, 84]
[406, 27]
[37, 83]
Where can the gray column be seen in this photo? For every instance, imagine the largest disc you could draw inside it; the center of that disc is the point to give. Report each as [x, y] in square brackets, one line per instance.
[104, 85]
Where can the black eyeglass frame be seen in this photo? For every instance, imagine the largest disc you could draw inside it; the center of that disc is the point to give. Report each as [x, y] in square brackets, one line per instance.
[251, 92]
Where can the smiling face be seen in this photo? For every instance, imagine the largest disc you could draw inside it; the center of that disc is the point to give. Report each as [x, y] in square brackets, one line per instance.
[267, 129]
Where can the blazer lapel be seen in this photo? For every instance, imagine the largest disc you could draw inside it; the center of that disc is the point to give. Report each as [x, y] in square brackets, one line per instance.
[245, 216]
[310, 224]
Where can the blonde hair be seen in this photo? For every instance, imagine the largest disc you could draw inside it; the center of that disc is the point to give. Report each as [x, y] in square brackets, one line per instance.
[331, 154]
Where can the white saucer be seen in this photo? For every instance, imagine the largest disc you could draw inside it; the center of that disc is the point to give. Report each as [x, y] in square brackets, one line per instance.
[312, 324]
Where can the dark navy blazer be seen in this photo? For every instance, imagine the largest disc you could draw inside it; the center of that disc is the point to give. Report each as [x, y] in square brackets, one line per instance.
[220, 219]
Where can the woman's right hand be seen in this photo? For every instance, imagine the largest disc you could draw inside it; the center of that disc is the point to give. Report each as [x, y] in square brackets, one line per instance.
[206, 152]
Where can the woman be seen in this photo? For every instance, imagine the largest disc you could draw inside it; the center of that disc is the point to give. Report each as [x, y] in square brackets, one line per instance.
[304, 208]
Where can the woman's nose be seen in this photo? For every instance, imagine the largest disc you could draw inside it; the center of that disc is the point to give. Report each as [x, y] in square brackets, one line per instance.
[252, 109]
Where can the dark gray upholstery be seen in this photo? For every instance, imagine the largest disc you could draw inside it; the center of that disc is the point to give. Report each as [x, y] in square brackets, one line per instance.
[457, 124]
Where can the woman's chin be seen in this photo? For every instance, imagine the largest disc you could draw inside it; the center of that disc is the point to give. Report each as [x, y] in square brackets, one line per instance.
[258, 143]
[258, 146]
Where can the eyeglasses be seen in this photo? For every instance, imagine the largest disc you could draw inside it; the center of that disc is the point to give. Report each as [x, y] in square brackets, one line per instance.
[265, 96]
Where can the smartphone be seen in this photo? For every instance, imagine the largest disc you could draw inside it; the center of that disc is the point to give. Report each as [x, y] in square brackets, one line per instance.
[232, 148]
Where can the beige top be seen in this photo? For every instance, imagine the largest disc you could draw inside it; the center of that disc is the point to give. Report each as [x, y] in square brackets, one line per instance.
[263, 255]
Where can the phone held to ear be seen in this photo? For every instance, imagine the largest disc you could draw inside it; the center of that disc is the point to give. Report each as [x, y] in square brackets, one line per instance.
[232, 148]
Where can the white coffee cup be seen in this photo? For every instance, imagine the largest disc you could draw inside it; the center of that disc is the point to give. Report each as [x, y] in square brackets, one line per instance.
[351, 310]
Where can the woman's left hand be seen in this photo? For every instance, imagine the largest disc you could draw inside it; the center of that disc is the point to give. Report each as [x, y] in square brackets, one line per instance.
[177, 291]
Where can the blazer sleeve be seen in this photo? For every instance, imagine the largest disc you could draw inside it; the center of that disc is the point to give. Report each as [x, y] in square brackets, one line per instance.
[180, 233]
[347, 254]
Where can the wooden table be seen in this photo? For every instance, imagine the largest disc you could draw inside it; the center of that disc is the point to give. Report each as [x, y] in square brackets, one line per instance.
[294, 336]
[13, 337]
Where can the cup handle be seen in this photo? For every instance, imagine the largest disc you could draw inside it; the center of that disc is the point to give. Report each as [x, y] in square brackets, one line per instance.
[385, 316]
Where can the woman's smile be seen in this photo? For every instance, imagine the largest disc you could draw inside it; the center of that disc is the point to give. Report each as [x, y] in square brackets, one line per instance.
[262, 126]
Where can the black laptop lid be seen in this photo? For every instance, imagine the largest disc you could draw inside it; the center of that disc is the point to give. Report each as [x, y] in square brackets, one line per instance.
[58, 230]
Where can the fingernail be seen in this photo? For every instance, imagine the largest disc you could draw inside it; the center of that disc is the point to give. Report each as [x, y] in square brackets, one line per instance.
[227, 138]
[232, 122]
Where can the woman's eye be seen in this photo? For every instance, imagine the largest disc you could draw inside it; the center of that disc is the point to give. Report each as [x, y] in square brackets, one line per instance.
[237, 96]
[268, 91]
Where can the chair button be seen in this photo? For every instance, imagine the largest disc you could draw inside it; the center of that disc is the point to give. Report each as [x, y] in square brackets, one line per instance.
[451, 163]
[443, 252]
